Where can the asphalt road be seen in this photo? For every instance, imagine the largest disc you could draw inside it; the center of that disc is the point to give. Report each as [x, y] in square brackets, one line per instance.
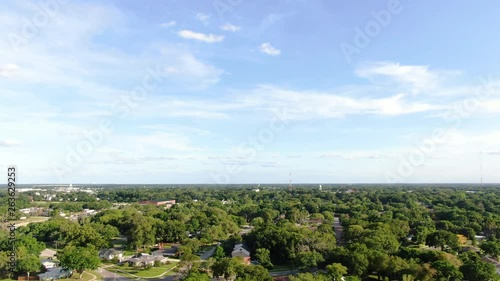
[110, 276]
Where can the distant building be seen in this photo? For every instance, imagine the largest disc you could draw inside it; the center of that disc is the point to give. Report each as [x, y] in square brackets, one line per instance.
[168, 203]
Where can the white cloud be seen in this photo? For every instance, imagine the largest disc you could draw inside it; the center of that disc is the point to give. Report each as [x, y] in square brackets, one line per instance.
[168, 24]
[418, 77]
[230, 27]
[266, 48]
[187, 69]
[208, 38]
[307, 105]
[204, 18]
[8, 143]
[9, 70]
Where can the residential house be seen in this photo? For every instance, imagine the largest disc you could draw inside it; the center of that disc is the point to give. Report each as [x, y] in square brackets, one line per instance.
[241, 251]
[48, 254]
[143, 260]
[109, 254]
[48, 264]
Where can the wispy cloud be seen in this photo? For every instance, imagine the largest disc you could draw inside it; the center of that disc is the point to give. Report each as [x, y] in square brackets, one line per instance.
[169, 24]
[306, 104]
[8, 143]
[266, 48]
[230, 27]
[204, 18]
[9, 70]
[419, 77]
[208, 38]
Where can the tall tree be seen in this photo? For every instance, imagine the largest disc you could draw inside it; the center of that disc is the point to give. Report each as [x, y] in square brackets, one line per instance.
[79, 259]
[28, 263]
[491, 248]
[443, 238]
[263, 256]
[219, 253]
[475, 269]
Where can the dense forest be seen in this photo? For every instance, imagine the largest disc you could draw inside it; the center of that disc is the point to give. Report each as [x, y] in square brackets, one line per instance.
[353, 232]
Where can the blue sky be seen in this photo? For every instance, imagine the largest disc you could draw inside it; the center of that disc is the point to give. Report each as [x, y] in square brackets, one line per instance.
[230, 91]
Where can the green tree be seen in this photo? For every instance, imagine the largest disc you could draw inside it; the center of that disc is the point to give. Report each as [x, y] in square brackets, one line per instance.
[4, 264]
[227, 267]
[172, 231]
[263, 256]
[443, 238]
[447, 271]
[32, 245]
[336, 271]
[219, 253]
[79, 259]
[197, 276]
[189, 259]
[491, 248]
[475, 269]
[141, 232]
[308, 260]
[254, 273]
[28, 263]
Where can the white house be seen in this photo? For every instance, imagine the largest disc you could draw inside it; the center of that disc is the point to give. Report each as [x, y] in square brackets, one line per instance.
[109, 254]
[25, 211]
[48, 264]
[144, 260]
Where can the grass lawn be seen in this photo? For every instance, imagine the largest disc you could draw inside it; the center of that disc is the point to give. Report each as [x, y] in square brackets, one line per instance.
[154, 271]
[119, 241]
[129, 253]
[85, 277]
